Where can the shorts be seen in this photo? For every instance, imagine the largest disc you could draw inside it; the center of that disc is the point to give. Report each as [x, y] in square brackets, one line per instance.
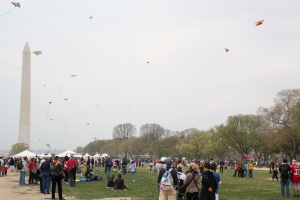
[295, 185]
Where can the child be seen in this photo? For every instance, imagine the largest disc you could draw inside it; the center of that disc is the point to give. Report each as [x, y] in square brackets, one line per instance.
[274, 175]
[111, 182]
[150, 166]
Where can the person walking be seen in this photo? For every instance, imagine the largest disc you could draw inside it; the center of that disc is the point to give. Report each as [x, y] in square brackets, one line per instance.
[11, 164]
[132, 170]
[109, 164]
[56, 169]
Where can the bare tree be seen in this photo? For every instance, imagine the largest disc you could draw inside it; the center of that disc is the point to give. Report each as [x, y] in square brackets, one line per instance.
[279, 116]
[124, 131]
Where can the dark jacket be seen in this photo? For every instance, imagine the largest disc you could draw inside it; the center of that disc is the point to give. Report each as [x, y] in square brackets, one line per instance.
[208, 181]
[45, 167]
[56, 169]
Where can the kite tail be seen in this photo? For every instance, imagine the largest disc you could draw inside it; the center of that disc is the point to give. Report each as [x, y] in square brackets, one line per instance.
[26, 64]
[6, 12]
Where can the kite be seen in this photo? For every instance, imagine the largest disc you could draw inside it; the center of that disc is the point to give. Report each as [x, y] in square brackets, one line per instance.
[37, 52]
[73, 75]
[259, 22]
[48, 109]
[66, 99]
[226, 49]
[16, 4]
[88, 124]
[91, 17]
[145, 65]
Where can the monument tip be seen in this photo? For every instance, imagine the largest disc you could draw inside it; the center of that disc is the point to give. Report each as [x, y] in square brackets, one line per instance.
[26, 48]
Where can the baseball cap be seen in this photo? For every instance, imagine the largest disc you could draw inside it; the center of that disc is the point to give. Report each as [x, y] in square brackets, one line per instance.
[163, 159]
[169, 161]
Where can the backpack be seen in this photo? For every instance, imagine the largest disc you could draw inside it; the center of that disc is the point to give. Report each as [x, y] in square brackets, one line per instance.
[20, 165]
[284, 171]
[167, 182]
[109, 163]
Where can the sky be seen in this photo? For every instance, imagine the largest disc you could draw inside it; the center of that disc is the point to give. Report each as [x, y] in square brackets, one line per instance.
[189, 82]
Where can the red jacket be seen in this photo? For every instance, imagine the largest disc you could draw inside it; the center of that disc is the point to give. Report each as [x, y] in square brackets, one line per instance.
[31, 166]
[71, 162]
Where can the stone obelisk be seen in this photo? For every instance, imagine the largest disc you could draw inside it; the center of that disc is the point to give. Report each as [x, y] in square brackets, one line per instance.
[24, 124]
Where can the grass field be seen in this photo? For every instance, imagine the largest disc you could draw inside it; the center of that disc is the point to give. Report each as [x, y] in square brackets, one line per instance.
[260, 187]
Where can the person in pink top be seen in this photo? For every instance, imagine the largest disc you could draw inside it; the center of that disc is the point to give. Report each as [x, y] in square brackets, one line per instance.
[66, 170]
[72, 166]
[114, 164]
[32, 168]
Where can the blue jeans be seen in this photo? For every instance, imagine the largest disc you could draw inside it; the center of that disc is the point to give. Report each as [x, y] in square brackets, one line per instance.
[245, 173]
[46, 180]
[108, 172]
[285, 183]
[22, 177]
[132, 175]
[124, 169]
[250, 173]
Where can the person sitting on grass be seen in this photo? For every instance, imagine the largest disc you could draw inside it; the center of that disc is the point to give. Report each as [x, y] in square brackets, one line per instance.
[119, 183]
[111, 182]
[91, 176]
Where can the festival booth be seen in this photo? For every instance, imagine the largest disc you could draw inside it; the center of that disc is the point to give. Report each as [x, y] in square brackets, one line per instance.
[105, 155]
[26, 153]
[41, 155]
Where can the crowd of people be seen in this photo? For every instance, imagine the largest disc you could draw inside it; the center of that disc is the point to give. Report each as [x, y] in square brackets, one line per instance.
[172, 182]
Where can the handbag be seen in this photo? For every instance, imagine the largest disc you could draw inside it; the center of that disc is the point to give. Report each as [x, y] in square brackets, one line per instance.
[183, 188]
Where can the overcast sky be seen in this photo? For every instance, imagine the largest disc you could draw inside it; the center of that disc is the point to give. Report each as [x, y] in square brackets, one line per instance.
[189, 82]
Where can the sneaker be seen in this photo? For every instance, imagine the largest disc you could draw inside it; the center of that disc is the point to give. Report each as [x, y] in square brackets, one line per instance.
[133, 180]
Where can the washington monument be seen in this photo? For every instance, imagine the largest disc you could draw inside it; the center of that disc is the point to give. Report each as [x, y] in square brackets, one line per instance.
[24, 124]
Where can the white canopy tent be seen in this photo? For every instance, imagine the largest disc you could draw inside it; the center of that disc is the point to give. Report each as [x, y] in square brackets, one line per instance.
[105, 155]
[49, 155]
[97, 156]
[25, 153]
[66, 153]
[86, 155]
[42, 155]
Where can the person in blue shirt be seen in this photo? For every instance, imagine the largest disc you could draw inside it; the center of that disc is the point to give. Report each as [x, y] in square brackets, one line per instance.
[245, 169]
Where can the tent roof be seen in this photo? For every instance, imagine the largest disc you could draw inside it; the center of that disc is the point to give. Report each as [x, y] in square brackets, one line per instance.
[63, 154]
[25, 153]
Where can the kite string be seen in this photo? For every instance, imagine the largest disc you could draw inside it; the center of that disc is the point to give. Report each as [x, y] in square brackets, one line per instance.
[26, 64]
[48, 110]
[6, 12]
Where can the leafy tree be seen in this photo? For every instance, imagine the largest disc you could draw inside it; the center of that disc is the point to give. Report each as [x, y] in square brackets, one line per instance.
[79, 149]
[124, 131]
[18, 147]
[241, 132]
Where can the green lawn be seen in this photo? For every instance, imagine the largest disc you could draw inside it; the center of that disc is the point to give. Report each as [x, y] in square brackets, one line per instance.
[261, 187]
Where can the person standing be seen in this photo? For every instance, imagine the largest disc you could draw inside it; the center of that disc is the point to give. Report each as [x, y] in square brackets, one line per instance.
[209, 184]
[66, 170]
[295, 178]
[218, 179]
[56, 169]
[46, 178]
[250, 168]
[191, 180]
[124, 166]
[245, 169]
[92, 162]
[23, 171]
[170, 194]
[132, 170]
[32, 171]
[285, 180]
[109, 164]
[221, 166]
[1, 164]
[88, 164]
[72, 166]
